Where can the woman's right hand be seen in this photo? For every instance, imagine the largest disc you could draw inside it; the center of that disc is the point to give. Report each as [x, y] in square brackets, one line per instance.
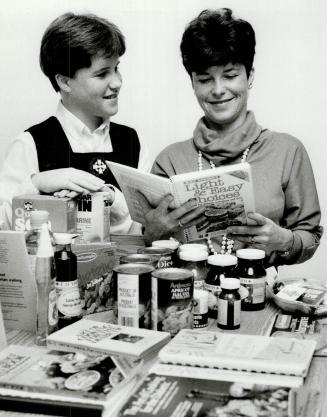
[71, 179]
[163, 222]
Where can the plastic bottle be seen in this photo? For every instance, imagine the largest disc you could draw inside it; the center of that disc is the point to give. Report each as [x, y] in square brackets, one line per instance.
[195, 261]
[229, 304]
[38, 217]
[252, 275]
[220, 266]
[67, 289]
[45, 276]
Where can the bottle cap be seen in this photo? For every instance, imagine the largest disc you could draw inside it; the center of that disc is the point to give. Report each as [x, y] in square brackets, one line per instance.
[64, 238]
[192, 246]
[250, 253]
[38, 217]
[167, 244]
[222, 260]
[193, 255]
[230, 283]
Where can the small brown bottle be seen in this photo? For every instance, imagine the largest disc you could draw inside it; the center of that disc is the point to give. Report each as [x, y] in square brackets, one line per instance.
[229, 304]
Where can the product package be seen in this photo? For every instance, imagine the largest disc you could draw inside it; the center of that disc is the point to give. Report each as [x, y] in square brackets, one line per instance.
[93, 217]
[95, 263]
[62, 212]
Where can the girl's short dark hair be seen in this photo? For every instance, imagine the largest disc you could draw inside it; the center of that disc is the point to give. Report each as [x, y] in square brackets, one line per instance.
[71, 41]
[215, 37]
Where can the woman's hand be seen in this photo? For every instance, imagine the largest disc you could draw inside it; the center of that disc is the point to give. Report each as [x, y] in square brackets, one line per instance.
[162, 222]
[262, 233]
[65, 179]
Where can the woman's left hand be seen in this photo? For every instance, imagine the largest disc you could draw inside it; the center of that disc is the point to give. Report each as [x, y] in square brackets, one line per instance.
[262, 233]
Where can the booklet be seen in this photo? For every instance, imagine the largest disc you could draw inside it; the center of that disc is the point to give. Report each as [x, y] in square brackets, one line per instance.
[17, 285]
[226, 191]
[58, 383]
[239, 353]
[164, 395]
[89, 335]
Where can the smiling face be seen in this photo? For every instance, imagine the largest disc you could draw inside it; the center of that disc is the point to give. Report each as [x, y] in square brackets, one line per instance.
[222, 92]
[92, 94]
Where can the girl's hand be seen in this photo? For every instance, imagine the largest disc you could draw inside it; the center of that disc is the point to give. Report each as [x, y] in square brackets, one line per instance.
[263, 233]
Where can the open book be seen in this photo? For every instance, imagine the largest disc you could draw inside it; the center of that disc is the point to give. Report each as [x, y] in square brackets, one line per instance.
[285, 359]
[87, 335]
[33, 379]
[226, 191]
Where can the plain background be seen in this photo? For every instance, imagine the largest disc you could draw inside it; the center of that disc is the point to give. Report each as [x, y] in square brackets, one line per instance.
[289, 91]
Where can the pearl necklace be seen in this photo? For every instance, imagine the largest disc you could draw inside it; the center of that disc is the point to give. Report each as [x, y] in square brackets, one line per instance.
[226, 244]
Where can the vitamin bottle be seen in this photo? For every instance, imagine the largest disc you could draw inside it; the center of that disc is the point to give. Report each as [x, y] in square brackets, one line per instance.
[195, 261]
[220, 266]
[67, 289]
[229, 304]
[252, 275]
[45, 276]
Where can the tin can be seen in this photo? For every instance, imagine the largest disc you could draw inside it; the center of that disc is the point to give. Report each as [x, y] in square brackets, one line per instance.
[139, 258]
[172, 300]
[133, 294]
[166, 258]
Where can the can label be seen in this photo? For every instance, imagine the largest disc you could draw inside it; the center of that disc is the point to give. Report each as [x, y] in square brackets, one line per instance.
[68, 298]
[128, 300]
[256, 288]
[172, 304]
[133, 295]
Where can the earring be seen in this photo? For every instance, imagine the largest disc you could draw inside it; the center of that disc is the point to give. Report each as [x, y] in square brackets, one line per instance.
[250, 86]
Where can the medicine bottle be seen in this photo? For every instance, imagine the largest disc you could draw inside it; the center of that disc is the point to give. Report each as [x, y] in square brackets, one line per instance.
[220, 266]
[229, 304]
[252, 275]
[195, 261]
[67, 289]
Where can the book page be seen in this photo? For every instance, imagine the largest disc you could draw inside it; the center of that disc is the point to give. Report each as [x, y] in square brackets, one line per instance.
[133, 182]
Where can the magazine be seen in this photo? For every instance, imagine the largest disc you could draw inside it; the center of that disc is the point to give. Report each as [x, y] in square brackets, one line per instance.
[164, 395]
[226, 191]
[58, 383]
[302, 327]
[88, 335]
[238, 352]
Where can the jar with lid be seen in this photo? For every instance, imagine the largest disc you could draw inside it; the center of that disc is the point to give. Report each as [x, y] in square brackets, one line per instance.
[252, 275]
[229, 304]
[195, 261]
[220, 266]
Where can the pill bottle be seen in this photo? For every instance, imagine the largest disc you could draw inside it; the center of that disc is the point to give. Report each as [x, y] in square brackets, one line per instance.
[229, 304]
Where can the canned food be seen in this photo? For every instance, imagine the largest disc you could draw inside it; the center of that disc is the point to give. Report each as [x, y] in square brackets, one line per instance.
[172, 300]
[133, 294]
[166, 258]
[139, 258]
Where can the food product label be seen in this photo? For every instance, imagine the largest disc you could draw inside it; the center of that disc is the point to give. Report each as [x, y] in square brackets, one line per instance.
[68, 298]
[229, 313]
[128, 300]
[256, 288]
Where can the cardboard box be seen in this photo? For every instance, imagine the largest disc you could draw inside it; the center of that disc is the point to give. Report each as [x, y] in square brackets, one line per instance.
[95, 263]
[93, 217]
[62, 212]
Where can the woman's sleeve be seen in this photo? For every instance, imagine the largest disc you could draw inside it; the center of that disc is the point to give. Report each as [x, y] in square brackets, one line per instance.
[302, 211]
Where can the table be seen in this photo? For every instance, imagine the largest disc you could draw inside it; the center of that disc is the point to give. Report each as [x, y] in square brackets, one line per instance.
[252, 322]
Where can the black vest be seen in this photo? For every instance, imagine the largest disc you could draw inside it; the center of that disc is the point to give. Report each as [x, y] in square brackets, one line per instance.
[54, 151]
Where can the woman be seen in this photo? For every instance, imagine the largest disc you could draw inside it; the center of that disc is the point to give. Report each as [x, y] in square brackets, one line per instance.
[218, 52]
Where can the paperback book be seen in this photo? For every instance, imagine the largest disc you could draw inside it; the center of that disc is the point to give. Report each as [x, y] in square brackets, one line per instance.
[164, 395]
[227, 193]
[288, 358]
[58, 383]
[302, 327]
[88, 335]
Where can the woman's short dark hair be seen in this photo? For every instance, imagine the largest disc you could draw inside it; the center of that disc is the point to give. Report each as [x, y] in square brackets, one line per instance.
[71, 41]
[215, 37]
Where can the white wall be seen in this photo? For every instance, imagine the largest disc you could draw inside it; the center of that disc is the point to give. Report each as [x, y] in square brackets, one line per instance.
[289, 92]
